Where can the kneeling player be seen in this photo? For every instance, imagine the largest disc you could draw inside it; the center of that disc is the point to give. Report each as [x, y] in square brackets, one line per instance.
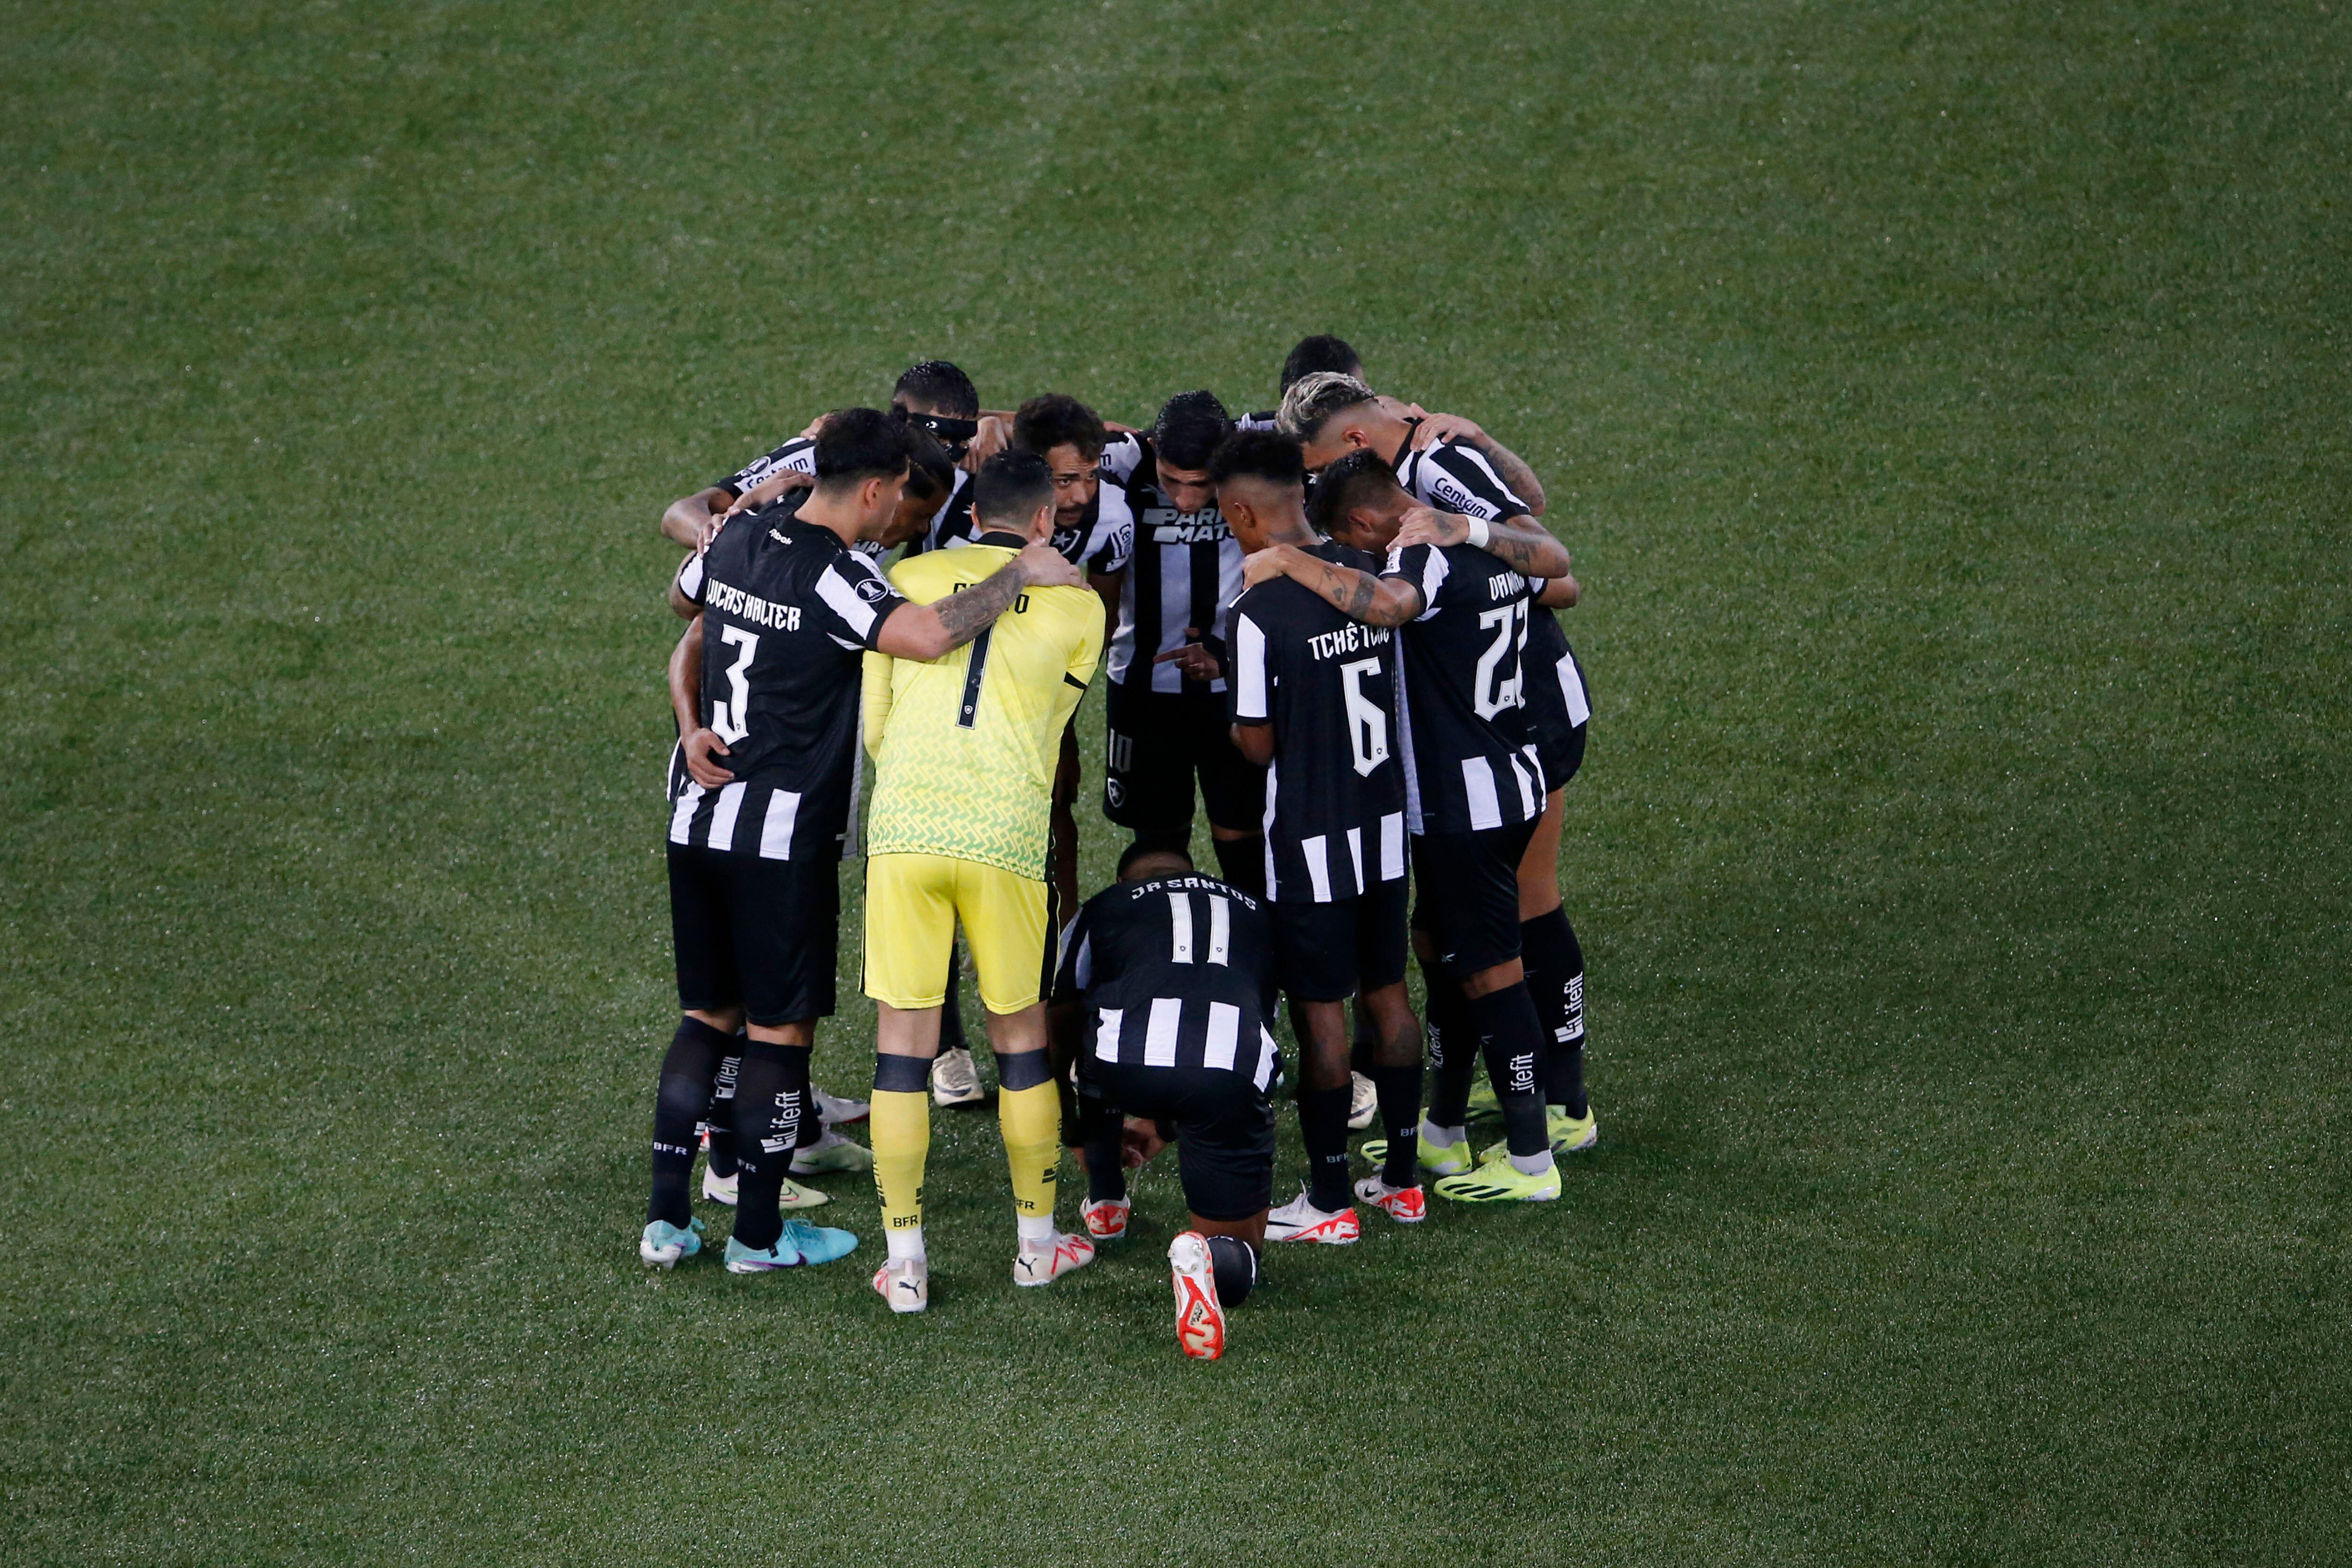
[1162, 1000]
[1313, 698]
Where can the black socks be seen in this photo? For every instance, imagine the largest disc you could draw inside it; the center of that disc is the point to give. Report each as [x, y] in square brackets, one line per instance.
[1323, 1127]
[1452, 1051]
[688, 1069]
[1234, 1262]
[1512, 1040]
[719, 1123]
[1241, 862]
[1100, 1132]
[1399, 1095]
[1555, 963]
[772, 1097]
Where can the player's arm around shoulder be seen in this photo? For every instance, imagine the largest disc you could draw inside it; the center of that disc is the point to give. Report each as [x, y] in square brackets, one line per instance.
[934, 630]
[1382, 601]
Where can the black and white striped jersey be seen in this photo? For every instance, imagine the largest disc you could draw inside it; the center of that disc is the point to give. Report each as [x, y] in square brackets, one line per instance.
[1559, 707]
[787, 611]
[1186, 574]
[959, 499]
[1455, 477]
[1098, 542]
[1334, 795]
[798, 454]
[1469, 763]
[1177, 972]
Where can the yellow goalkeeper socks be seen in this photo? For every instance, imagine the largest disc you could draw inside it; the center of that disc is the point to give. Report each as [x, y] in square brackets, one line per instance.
[900, 1128]
[1030, 1117]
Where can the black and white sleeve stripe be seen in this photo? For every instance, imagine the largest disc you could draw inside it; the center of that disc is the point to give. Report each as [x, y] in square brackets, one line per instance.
[1458, 479]
[859, 596]
[1425, 567]
[1252, 701]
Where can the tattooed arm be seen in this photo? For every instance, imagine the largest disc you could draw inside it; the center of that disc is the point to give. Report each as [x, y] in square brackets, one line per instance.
[1436, 429]
[1516, 474]
[1519, 542]
[934, 630]
[1359, 595]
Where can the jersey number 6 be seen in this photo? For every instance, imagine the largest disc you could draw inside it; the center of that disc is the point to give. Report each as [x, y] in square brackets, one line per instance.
[1367, 725]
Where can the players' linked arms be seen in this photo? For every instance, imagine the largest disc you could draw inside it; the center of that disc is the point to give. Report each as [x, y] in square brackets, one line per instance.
[685, 703]
[690, 520]
[937, 629]
[1519, 542]
[1359, 595]
[1516, 473]
[1436, 429]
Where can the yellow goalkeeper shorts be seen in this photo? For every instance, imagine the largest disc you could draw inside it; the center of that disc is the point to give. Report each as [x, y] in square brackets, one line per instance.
[912, 905]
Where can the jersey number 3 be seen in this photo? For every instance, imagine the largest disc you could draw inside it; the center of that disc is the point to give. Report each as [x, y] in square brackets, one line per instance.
[1368, 723]
[731, 720]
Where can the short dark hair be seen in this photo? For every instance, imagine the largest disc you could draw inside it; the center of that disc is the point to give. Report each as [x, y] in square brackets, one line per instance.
[1010, 487]
[854, 444]
[1190, 427]
[1321, 352]
[1054, 419]
[1144, 846]
[930, 472]
[1355, 479]
[939, 386]
[1258, 454]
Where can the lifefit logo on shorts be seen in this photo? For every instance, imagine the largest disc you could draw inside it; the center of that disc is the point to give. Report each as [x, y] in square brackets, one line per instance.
[1574, 1029]
[1119, 750]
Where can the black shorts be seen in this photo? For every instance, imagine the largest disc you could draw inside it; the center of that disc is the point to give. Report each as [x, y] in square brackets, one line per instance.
[1469, 896]
[1224, 1128]
[752, 932]
[1329, 952]
[1557, 735]
[1157, 741]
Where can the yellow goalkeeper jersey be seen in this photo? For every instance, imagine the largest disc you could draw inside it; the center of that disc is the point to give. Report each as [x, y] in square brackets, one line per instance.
[965, 747]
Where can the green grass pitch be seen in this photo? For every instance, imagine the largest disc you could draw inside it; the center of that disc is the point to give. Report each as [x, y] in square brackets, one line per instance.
[1946, 405]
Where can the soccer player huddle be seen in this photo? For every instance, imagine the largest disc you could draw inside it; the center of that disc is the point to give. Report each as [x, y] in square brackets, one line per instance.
[1334, 621]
